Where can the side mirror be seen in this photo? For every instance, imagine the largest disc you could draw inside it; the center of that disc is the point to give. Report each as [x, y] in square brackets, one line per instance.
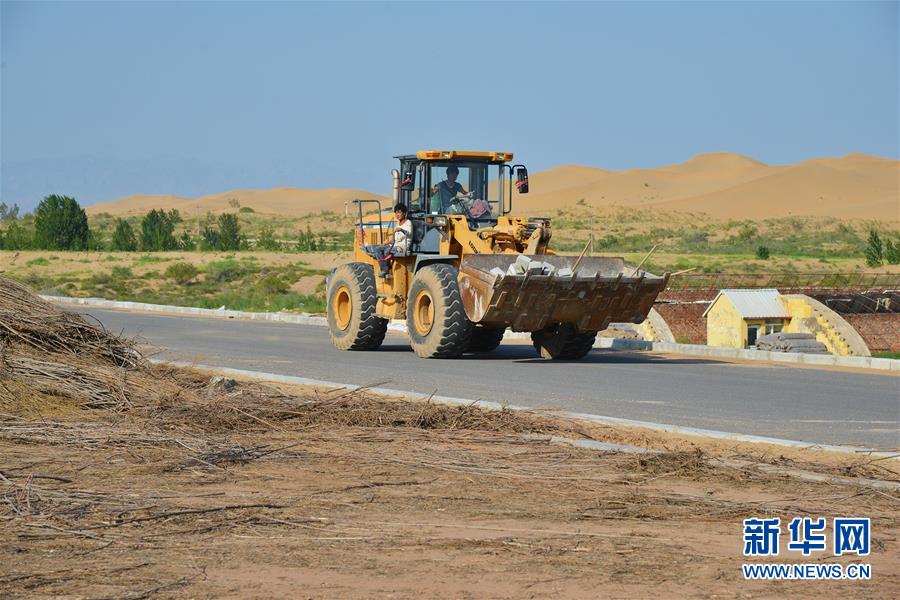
[522, 180]
[408, 181]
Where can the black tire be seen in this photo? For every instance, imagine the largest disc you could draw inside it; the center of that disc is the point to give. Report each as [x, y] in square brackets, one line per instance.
[485, 339]
[563, 342]
[351, 297]
[435, 318]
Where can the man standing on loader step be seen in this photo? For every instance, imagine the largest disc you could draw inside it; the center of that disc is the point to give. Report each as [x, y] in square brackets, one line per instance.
[446, 191]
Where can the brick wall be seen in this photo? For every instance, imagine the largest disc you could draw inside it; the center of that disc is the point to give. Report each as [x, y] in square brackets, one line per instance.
[881, 331]
[685, 320]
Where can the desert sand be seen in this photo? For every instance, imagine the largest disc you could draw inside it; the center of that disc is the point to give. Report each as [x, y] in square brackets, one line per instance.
[722, 185]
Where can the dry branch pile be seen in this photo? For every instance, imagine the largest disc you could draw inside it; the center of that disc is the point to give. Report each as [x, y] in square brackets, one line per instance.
[33, 322]
[49, 355]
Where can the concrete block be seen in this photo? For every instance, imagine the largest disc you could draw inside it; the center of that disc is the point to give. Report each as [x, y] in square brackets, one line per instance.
[564, 272]
[535, 267]
[498, 272]
[523, 261]
[549, 269]
[515, 269]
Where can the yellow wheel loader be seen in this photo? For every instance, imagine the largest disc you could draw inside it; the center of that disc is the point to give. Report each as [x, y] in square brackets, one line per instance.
[469, 270]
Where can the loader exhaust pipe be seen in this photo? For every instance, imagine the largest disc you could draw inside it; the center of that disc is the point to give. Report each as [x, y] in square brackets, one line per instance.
[395, 176]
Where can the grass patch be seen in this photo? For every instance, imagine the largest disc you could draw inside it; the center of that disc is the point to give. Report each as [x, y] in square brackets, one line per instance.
[38, 262]
[893, 355]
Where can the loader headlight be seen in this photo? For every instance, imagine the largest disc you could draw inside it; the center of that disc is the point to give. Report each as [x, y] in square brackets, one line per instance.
[437, 221]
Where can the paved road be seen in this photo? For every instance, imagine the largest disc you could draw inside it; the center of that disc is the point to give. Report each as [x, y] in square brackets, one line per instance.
[813, 405]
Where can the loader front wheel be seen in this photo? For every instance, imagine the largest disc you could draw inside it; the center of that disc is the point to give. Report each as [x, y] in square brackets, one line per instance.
[563, 342]
[435, 318]
[485, 339]
[352, 322]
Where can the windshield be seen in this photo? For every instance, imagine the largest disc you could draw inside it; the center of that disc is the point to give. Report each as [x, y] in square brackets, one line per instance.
[461, 188]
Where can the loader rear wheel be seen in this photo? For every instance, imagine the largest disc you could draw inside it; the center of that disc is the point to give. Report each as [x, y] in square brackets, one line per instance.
[352, 322]
[435, 318]
[563, 342]
[485, 339]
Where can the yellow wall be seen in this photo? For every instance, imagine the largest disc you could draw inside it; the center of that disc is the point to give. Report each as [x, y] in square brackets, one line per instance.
[811, 316]
[726, 328]
[724, 325]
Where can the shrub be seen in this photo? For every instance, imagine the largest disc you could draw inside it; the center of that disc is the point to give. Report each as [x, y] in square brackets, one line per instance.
[272, 285]
[266, 239]
[762, 252]
[307, 241]
[60, 224]
[874, 251]
[38, 262]
[225, 270]
[747, 232]
[186, 242]
[158, 230]
[122, 273]
[246, 209]
[181, 272]
[123, 238]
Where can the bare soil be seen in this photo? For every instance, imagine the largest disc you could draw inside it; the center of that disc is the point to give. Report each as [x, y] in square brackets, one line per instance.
[122, 479]
[255, 492]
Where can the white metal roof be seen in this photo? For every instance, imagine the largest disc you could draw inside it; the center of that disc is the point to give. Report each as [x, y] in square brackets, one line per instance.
[754, 304]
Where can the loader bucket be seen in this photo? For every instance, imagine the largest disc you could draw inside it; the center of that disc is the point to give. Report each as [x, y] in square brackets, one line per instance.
[602, 291]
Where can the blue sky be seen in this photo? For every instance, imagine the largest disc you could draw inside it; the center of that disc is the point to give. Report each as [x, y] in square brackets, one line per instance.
[101, 100]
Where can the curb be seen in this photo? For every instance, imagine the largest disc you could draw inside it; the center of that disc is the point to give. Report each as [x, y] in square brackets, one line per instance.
[825, 360]
[588, 444]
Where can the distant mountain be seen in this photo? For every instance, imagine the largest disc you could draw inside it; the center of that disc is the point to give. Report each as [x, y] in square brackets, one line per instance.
[277, 201]
[731, 186]
[91, 179]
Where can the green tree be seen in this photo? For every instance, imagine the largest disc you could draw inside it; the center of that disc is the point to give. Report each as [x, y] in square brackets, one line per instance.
[762, 252]
[874, 251]
[60, 224]
[210, 237]
[158, 230]
[229, 232]
[892, 252]
[8, 213]
[17, 237]
[123, 238]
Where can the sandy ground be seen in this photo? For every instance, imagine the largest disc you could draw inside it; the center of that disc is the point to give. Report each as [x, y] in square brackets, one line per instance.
[721, 185]
[254, 495]
[79, 266]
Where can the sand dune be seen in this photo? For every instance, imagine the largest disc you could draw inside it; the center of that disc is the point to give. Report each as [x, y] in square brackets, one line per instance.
[731, 186]
[279, 201]
[723, 185]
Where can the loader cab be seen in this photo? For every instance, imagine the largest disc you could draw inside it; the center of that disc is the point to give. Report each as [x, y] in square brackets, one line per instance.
[431, 182]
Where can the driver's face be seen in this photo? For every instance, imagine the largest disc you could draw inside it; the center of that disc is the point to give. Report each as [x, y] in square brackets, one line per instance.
[451, 175]
[399, 215]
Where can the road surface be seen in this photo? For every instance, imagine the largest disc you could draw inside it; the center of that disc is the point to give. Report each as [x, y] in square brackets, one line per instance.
[811, 405]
